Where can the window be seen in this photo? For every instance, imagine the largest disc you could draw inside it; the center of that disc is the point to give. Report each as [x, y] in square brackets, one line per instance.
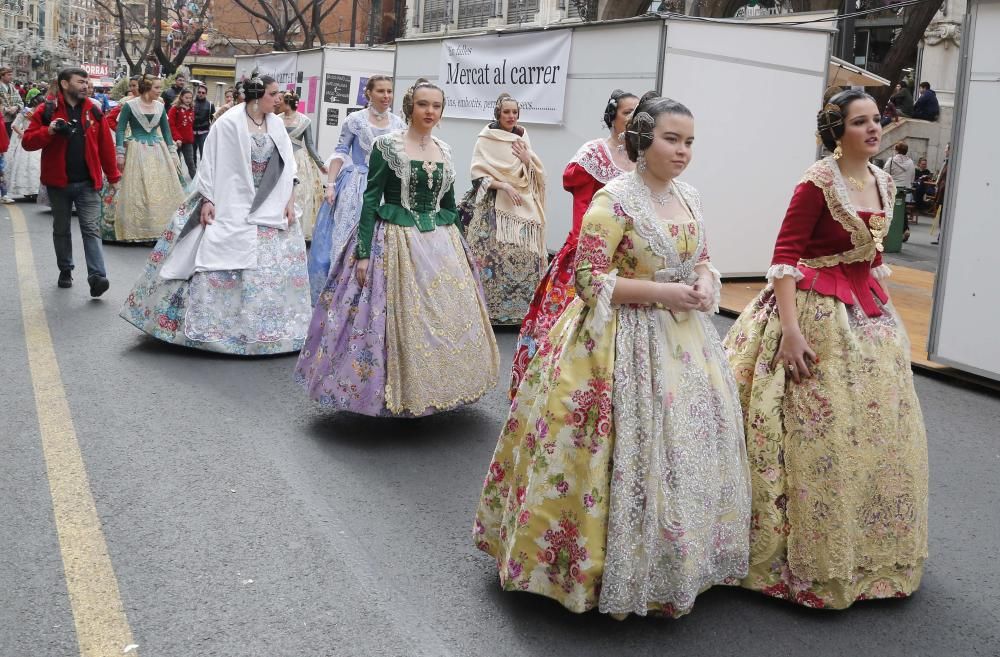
[437, 14]
[521, 11]
[586, 9]
[474, 13]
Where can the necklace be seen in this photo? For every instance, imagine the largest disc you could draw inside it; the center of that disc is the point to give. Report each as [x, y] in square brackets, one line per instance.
[857, 184]
[620, 139]
[662, 199]
[259, 124]
[378, 116]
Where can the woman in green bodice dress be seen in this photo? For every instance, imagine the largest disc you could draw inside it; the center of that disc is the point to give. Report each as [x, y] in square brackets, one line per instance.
[150, 188]
[401, 327]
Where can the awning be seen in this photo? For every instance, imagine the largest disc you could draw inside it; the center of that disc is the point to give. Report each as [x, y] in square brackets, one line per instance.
[843, 74]
[213, 72]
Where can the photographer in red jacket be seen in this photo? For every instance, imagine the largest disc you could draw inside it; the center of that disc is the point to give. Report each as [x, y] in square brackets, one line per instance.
[77, 148]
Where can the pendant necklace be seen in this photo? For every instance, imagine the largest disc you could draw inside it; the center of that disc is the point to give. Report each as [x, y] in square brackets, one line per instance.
[662, 199]
[259, 124]
[620, 146]
[858, 184]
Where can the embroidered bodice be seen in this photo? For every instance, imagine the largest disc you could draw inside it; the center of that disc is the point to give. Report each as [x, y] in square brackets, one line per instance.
[358, 136]
[301, 135]
[145, 128]
[261, 149]
[404, 191]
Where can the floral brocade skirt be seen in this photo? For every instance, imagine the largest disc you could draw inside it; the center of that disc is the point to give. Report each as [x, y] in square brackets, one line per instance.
[556, 289]
[838, 462]
[414, 340]
[148, 194]
[309, 191]
[248, 312]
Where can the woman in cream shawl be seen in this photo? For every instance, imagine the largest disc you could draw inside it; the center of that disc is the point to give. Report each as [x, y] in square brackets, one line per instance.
[229, 272]
[506, 231]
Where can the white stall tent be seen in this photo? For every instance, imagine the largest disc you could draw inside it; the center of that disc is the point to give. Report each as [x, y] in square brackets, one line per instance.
[754, 90]
[329, 82]
[966, 296]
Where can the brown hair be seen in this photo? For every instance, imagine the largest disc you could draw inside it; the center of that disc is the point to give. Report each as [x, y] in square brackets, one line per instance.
[830, 120]
[421, 83]
[291, 99]
[146, 82]
[902, 148]
[372, 81]
[180, 94]
[501, 99]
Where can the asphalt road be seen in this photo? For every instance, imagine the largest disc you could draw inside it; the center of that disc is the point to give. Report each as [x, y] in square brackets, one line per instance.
[242, 520]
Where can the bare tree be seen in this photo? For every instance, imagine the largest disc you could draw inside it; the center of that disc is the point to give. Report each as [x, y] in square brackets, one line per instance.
[292, 24]
[135, 39]
[918, 17]
[140, 33]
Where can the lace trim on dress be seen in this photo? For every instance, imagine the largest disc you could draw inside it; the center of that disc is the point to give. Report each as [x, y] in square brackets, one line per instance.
[780, 271]
[596, 160]
[148, 124]
[393, 150]
[716, 285]
[483, 189]
[295, 134]
[600, 315]
[882, 272]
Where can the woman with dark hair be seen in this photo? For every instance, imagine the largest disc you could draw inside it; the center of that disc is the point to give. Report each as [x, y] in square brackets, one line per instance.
[620, 477]
[835, 436]
[151, 180]
[598, 162]
[309, 191]
[506, 229]
[229, 273]
[181, 119]
[400, 329]
[347, 177]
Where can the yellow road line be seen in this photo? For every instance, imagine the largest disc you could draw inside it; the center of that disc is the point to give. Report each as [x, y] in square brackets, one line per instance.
[101, 627]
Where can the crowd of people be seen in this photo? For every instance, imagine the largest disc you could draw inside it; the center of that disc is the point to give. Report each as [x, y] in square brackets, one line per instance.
[644, 458]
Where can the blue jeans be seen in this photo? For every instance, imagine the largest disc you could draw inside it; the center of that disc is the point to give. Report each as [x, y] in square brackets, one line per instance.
[88, 210]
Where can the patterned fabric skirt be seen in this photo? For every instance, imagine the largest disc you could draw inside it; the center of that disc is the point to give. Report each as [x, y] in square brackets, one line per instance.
[248, 313]
[309, 191]
[415, 340]
[336, 226]
[149, 191]
[510, 273]
[23, 169]
[620, 478]
[109, 208]
[838, 462]
[556, 289]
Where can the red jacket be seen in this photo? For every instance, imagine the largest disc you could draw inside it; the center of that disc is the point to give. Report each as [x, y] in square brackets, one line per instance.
[99, 147]
[181, 121]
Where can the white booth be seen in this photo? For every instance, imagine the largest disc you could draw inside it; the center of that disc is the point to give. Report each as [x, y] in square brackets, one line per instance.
[966, 296]
[329, 81]
[753, 88]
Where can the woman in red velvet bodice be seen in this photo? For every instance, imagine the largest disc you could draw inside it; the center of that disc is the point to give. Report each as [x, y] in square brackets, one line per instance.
[594, 165]
[835, 437]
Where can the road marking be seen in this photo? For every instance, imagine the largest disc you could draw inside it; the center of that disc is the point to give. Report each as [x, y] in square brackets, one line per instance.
[98, 613]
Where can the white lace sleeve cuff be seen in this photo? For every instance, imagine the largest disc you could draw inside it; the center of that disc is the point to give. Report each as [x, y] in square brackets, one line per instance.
[780, 271]
[337, 156]
[484, 187]
[716, 285]
[882, 272]
[601, 313]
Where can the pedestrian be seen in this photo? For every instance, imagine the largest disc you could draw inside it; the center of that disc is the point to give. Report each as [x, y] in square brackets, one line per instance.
[169, 95]
[24, 168]
[180, 116]
[506, 214]
[835, 435]
[4, 147]
[151, 181]
[923, 184]
[310, 166]
[940, 186]
[926, 105]
[400, 328]
[204, 109]
[620, 477]
[232, 98]
[347, 176]
[901, 168]
[902, 98]
[109, 192]
[229, 273]
[77, 152]
[11, 101]
[595, 164]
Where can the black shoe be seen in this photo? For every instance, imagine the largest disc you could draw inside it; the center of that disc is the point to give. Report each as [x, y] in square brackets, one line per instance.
[65, 279]
[98, 285]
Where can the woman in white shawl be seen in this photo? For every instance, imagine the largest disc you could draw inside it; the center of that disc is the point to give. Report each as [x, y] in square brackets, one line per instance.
[506, 229]
[229, 272]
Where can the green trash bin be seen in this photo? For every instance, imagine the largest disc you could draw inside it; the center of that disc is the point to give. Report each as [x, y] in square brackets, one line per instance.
[893, 242]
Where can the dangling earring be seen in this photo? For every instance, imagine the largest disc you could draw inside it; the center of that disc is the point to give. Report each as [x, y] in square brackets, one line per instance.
[640, 163]
[838, 152]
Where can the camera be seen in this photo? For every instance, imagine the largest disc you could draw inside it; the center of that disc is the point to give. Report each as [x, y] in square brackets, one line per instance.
[65, 128]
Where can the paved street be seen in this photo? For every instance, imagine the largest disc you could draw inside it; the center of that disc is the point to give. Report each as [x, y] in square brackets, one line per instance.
[242, 520]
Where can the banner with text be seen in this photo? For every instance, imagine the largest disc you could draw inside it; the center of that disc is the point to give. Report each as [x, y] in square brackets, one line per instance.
[530, 67]
[282, 67]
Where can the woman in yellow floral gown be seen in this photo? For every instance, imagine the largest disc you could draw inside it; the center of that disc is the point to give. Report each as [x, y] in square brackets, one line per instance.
[838, 452]
[620, 478]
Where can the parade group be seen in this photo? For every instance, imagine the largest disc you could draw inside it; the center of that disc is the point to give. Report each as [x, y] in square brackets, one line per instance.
[644, 458]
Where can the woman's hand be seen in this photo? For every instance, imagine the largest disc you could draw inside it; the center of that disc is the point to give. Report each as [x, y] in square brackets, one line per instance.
[331, 193]
[120, 161]
[290, 212]
[796, 354]
[324, 169]
[207, 213]
[521, 151]
[515, 198]
[361, 271]
[705, 286]
[680, 297]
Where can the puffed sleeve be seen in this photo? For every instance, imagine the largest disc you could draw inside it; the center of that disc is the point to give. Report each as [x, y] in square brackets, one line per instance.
[123, 118]
[804, 210]
[600, 235]
[578, 182]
